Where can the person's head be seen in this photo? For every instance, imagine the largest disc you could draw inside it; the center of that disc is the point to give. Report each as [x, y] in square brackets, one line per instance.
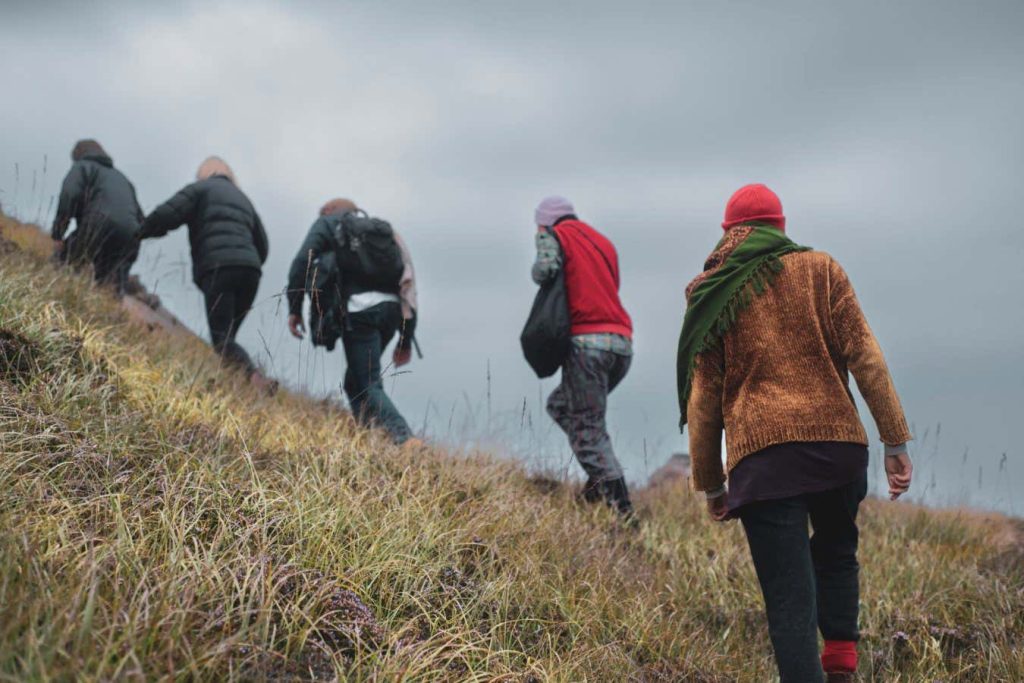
[212, 166]
[551, 209]
[338, 206]
[86, 148]
[754, 204]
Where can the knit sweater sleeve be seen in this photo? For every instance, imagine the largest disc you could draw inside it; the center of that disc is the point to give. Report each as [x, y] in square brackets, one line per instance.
[864, 358]
[705, 421]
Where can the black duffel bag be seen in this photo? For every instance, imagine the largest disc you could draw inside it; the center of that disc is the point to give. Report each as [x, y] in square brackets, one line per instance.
[547, 335]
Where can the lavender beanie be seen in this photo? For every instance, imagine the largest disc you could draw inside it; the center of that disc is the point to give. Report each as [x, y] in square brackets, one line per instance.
[551, 209]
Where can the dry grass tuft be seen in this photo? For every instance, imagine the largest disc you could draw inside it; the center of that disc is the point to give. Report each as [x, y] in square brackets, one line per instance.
[159, 520]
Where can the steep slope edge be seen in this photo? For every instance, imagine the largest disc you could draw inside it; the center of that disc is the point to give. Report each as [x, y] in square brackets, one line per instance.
[160, 520]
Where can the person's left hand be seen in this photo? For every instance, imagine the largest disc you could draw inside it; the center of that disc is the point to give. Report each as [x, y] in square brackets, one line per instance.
[718, 508]
[296, 326]
[402, 356]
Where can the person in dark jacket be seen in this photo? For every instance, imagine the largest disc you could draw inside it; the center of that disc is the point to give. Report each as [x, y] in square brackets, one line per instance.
[229, 247]
[601, 349]
[371, 320]
[107, 216]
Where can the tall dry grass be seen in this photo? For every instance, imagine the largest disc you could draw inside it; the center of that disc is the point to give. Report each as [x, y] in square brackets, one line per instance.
[159, 520]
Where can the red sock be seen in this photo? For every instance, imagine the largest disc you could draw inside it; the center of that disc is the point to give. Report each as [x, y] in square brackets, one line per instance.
[840, 656]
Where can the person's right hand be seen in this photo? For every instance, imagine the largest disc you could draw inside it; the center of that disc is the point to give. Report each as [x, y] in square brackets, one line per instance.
[402, 356]
[296, 326]
[898, 469]
[718, 508]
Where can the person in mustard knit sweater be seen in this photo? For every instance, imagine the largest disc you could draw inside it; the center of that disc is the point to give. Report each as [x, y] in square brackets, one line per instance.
[771, 334]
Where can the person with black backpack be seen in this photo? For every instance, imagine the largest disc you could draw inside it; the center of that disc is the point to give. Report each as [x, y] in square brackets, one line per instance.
[359, 275]
[579, 324]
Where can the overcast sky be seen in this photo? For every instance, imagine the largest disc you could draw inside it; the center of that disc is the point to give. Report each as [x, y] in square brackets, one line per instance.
[891, 131]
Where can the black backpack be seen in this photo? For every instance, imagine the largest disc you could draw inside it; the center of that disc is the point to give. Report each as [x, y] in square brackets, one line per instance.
[547, 335]
[325, 301]
[368, 254]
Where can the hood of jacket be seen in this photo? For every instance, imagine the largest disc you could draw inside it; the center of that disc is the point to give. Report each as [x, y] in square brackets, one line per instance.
[101, 159]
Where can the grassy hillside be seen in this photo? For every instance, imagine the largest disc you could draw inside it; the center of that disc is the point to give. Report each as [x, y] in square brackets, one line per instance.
[158, 520]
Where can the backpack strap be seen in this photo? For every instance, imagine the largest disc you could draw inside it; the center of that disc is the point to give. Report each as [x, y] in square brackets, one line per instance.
[551, 231]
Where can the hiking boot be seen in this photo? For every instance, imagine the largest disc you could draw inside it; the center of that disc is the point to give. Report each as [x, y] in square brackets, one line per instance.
[591, 491]
[839, 677]
[617, 496]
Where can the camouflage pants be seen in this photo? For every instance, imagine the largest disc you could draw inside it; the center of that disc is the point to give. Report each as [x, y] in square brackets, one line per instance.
[579, 404]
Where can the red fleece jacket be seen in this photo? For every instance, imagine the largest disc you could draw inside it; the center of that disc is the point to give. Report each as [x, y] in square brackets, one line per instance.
[592, 281]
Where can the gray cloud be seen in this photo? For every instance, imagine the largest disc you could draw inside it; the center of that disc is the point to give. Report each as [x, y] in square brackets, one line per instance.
[890, 130]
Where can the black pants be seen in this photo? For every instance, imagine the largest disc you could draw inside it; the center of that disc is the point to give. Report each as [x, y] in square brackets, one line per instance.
[229, 293]
[808, 583]
[366, 334]
[111, 254]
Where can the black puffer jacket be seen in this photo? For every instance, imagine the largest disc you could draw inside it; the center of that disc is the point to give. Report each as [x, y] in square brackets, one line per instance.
[100, 200]
[223, 227]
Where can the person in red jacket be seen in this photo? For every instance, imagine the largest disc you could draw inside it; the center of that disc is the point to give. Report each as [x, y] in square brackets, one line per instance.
[601, 343]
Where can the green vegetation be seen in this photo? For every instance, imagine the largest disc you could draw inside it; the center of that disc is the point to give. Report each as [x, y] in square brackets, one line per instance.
[159, 520]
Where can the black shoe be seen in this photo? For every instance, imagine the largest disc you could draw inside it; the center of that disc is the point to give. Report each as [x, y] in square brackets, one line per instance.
[591, 491]
[617, 496]
[839, 677]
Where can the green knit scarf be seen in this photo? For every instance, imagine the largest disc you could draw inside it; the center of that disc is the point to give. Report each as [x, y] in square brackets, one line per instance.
[734, 274]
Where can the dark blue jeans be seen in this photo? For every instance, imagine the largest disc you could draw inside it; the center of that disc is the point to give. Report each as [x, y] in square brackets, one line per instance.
[809, 583]
[366, 334]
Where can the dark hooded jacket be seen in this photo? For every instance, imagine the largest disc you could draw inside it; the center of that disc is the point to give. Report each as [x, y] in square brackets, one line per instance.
[100, 200]
[223, 227]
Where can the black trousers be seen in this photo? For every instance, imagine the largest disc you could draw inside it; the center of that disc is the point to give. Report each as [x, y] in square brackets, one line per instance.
[365, 336]
[809, 583]
[112, 255]
[229, 293]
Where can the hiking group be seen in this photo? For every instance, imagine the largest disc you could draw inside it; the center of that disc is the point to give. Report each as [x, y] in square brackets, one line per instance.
[772, 330]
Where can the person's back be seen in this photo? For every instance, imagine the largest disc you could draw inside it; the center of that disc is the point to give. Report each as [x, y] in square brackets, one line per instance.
[771, 333]
[592, 280]
[109, 198]
[103, 204]
[787, 361]
[601, 347]
[375, 296]
[224, 228]
[229, 247]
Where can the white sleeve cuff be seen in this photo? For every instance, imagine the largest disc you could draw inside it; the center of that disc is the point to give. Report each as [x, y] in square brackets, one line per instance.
[893, 451]
[717, 493]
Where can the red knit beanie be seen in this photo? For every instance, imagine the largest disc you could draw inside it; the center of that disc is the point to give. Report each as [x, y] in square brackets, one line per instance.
[754, 203]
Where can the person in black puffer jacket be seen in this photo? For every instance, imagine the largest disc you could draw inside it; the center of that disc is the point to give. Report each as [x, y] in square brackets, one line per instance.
[229, 247]
[107, 216]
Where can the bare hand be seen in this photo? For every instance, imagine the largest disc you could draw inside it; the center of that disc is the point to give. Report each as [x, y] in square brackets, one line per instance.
[296, 326]
[899, 470]
[718, 508]
[401, 356]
